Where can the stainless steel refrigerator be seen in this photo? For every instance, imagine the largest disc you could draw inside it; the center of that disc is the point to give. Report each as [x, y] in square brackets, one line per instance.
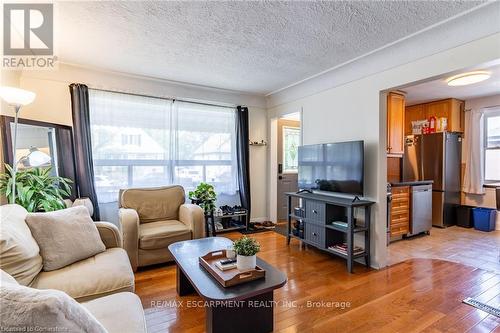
[436, 157]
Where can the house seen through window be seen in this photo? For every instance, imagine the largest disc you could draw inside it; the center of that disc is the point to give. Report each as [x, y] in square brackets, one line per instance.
[142, 141]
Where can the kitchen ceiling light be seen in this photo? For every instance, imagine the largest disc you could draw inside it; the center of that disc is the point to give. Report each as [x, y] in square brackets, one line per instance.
[468, 78]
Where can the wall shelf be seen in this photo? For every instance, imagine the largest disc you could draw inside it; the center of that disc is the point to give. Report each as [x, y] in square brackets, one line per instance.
[258, 143]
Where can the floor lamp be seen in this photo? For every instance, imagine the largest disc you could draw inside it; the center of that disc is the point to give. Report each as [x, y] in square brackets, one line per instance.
[17, 98]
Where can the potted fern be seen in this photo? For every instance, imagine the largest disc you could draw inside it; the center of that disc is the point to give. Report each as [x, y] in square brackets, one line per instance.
[246, 249]
[204, 196]
[36, 189]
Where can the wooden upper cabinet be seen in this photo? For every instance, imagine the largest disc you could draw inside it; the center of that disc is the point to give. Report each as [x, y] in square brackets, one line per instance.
[395, 123]
[451, 108]
[456, 119]
[413, 113]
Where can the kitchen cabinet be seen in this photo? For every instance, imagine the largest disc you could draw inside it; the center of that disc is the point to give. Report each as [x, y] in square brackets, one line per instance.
[395, 124]
[413, 113]
[451, 108]
[400, 211]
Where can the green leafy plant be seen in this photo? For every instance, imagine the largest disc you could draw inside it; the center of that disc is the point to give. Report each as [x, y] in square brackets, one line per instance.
[204, 195]
[246, 246]
[36, 189]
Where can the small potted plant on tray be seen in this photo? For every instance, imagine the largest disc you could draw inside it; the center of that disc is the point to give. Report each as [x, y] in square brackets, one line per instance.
[246, 248]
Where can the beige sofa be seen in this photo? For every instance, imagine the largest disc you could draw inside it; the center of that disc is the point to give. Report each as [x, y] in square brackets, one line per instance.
[153, 218]
[103, 283]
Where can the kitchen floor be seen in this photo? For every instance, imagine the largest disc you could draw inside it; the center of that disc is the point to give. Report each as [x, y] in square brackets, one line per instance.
[467, 246]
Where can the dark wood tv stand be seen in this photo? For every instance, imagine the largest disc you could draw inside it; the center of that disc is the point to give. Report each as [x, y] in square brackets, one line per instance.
[328, 221]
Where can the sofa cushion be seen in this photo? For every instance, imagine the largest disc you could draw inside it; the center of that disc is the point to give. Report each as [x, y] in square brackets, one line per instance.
[6, 278]
[23, 308]
[19, 252]
[154, 204]
[106, 273]
[130, 318]
[161, 234]
[65, 236]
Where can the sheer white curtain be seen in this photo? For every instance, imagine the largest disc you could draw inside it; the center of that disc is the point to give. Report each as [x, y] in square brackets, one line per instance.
[204, 147]
[140, 141]
[474, 152]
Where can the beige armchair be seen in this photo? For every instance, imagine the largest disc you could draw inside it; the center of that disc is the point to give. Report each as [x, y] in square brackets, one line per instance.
[153, 218]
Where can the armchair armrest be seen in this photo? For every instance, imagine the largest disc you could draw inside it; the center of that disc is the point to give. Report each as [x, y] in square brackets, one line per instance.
[193, 217]
[110, 235]
[129, 222]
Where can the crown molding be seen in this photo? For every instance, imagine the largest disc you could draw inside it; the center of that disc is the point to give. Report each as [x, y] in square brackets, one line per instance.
[100, 78]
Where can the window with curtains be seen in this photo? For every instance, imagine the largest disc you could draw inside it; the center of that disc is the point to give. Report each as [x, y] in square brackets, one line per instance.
[492, 145]
[140, 141]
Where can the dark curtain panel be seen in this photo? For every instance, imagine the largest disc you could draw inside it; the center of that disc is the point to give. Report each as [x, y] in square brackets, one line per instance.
[82, 144]
[65, 157]
[243, 156]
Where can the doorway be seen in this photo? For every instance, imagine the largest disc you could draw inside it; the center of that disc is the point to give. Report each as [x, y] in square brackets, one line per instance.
[288, 141]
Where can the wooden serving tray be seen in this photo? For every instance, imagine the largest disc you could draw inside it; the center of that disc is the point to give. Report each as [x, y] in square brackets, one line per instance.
[231, 277]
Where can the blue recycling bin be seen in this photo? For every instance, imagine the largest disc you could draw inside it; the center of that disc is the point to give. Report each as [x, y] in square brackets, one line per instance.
[484, 218]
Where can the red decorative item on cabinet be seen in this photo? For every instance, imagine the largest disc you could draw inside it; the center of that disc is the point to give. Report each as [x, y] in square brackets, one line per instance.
[432, 124]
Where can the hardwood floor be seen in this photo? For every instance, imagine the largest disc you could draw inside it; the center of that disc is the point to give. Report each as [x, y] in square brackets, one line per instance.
[418, 295]
[467, 246]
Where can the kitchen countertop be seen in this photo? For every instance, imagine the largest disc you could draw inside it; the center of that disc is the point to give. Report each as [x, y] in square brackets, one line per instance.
[414, 183]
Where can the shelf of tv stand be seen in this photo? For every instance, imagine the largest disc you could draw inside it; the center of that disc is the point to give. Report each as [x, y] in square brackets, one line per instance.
[344, 255]
[319, 211]
[345, 230]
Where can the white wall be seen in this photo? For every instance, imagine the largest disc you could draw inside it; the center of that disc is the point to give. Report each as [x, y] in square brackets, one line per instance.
[356, 111]
[258, 164]
[53, 105]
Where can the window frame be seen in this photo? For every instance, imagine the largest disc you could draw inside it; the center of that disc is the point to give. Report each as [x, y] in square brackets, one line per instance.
[168, 165]
[489, 113]
[283, 148]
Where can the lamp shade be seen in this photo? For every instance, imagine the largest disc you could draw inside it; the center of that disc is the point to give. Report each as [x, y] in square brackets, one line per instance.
[16, 96]
[38, 158]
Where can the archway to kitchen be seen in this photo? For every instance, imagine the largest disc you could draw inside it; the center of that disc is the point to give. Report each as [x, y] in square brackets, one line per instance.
[443, 168]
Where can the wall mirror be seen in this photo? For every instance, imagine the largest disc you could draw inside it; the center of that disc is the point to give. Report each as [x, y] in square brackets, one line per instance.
[39, 144]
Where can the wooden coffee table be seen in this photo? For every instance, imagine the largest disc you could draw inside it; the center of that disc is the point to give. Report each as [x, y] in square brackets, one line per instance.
[248, 307]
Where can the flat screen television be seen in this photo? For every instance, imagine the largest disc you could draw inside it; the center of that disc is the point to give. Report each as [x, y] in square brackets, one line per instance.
[332, 167]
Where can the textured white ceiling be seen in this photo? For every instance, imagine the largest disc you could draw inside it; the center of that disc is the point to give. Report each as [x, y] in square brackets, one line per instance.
[255, 47]
[439, 89]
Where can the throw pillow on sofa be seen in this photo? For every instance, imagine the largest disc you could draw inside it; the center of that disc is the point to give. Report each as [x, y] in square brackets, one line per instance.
[65, 236]
[24, 309]
[19, 252]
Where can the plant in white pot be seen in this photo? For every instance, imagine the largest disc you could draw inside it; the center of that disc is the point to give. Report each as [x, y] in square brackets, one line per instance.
[246, 248]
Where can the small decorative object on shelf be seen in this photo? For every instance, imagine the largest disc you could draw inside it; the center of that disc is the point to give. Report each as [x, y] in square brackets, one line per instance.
[246, 249]
[258, 143]
[298, 211]
[204, 196]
